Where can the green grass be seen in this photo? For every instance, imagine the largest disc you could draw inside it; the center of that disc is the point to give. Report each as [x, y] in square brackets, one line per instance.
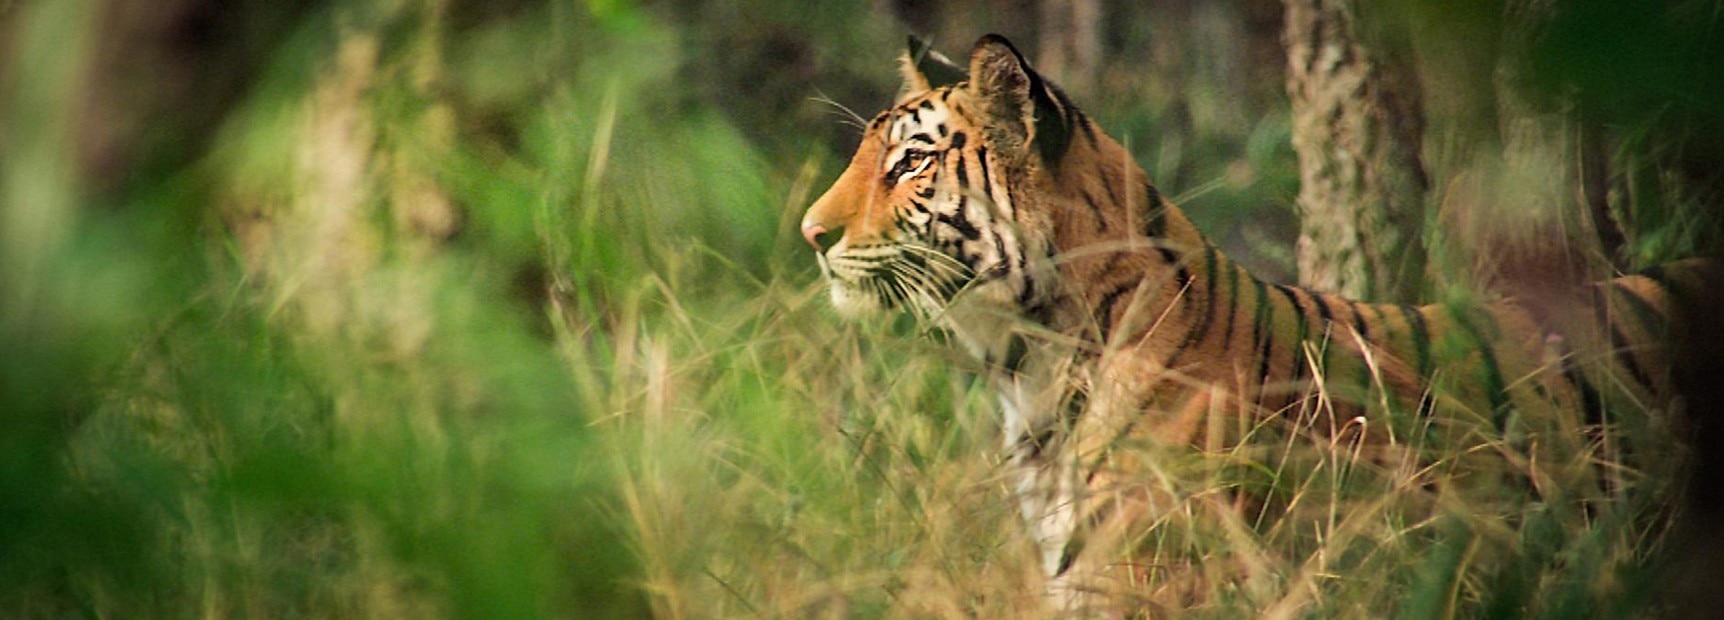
[493, 321]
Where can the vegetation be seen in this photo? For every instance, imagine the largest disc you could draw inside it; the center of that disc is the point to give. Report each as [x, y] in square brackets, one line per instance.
[498, 310]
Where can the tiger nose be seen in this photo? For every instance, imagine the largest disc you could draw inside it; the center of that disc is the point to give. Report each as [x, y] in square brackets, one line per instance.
[815, 234]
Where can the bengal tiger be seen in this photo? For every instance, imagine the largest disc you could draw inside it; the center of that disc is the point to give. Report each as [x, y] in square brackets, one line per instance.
[986, 203]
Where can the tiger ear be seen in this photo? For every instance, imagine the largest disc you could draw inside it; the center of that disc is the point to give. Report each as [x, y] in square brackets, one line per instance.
[1002, 77]
[1022, 105]
[925, 69]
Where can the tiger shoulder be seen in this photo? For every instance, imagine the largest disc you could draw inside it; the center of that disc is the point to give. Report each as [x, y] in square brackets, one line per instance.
[986, 203]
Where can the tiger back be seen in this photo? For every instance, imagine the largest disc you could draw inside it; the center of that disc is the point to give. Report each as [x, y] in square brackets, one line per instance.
[1119, 338]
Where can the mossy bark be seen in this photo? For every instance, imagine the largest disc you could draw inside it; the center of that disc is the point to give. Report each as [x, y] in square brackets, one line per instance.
[1356, 128]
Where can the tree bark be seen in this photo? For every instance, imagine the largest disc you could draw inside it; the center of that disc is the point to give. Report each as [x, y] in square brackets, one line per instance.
[1070, 44]
[1356, 129]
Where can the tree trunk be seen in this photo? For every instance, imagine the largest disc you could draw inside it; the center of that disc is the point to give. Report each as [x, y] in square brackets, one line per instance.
[1356, 129]
[1070, 45]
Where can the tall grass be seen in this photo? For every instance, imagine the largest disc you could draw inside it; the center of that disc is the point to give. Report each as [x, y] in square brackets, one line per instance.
[487, 319]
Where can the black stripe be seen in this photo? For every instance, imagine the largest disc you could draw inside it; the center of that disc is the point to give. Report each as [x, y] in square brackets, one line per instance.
[1028, 292]
[869, 259]
[1154, 225]
[1363, 327]
[1208, 298]
[959, 223]
[1053, 134]
[1421, 338]
[1232, 302]
[1118, 193]
[1000, 248]
[1067, 557]
[1494, 385]
[1590, 401]
[958, 140]
[1071, 112]
[1101, 512]
[1262, 335]
[982, 164]
[1016, 349]
[1359, 324]
[1087, 127]
[1180, 272]
[1104, 310]
[1032, 445]
[1322, 307]
[1323, 330]
[905, 225]
[1095, 210]
[1620, 346]
[1210, 262]
[1298, 344]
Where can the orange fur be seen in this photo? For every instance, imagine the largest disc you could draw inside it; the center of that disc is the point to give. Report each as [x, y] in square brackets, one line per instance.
[1111, 323]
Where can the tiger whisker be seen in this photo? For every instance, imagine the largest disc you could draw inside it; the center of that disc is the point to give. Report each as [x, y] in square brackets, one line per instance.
[948, 275]
[934, 292]
[881, 292]
[893, 275]
[939, 258]
[938, 296]
[920, 281]
[849, 116]
[895, 286]
[955, 273]
[953, 268]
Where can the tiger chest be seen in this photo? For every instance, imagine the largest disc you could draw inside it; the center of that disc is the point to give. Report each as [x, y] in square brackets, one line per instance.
[1045, 478]
[1076, 430]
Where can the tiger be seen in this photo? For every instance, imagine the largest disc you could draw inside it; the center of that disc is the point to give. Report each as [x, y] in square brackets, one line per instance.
[987, 204]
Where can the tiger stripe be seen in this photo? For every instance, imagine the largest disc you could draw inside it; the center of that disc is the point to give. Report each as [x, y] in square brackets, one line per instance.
[1232, 302]
[1296, 353]
[1009, 214]
[1262, 323]
[1493, 376]
[1361, 326]
[1420, 336]
[1211, 260]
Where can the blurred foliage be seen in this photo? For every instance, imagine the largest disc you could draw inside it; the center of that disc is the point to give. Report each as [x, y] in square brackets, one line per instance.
[1532, 98]
[464, 308]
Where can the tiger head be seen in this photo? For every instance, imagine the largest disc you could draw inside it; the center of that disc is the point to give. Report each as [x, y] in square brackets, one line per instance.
[938, 201]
